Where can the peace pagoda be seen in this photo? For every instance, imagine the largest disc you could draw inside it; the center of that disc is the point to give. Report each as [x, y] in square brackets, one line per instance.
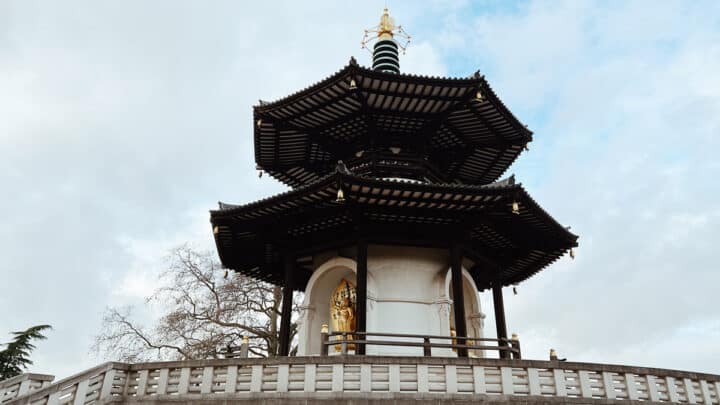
[400, 213]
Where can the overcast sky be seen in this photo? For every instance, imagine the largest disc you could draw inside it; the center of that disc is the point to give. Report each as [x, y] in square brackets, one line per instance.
[122, 123]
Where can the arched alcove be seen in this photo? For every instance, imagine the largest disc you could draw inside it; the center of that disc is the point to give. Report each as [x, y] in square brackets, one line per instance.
[315, 309]
[473, 314]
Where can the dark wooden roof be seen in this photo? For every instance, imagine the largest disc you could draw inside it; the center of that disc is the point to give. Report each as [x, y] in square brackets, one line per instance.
[505, 246]
[444, 133]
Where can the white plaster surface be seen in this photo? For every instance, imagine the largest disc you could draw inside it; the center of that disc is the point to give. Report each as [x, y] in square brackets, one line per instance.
[408, 292]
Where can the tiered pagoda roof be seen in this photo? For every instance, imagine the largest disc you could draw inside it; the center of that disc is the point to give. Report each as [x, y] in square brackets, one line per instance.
[442, 130]
[506, 245]
[422, 158]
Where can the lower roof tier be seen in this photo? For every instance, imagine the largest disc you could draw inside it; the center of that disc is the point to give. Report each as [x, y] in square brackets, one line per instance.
[500, 228]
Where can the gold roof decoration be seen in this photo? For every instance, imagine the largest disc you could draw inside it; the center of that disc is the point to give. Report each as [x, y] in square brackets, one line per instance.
[386, 30]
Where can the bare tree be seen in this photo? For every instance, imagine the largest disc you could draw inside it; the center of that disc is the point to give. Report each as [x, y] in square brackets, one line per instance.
[206, 310]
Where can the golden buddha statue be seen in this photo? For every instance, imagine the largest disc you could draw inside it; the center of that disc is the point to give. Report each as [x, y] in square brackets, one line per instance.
[342, 311]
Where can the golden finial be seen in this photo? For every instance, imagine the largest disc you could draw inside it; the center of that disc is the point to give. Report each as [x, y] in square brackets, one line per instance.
[324, 328]
[245, 339]
[386, 29]
[387, 24]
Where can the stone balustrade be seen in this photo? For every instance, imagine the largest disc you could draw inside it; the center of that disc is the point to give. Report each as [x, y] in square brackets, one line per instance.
[336, 377]
[23, 384]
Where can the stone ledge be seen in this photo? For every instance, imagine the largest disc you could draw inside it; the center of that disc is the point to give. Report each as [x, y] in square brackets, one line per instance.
[374, 398]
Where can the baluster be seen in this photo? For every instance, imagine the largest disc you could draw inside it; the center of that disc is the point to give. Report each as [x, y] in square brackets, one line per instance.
[653, 392]
[24, 388]
[690, 391]
[207, 380]
[707, 398]
[560, 389]
[632, 390]
[450, 379]
[366, 378]
[107, 384]
[394, 377]
[142, 383]
[609, 385]
[184, 382]
[162, 381]
[585, 388]
[81, 392]
[256, 378]
[506, 378]
[479, 379]
[534, 381]
[283, 375]
[231, 380]
[310, 372]
[672, 390]
[422, 378]
[337, 377]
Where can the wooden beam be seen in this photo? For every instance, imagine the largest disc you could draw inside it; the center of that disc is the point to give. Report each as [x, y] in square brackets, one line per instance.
[500, 325]
[286, 313]
[458, 297]
[361, 279]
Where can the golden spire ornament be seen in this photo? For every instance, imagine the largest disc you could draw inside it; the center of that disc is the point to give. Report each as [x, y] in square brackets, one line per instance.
[386, 30]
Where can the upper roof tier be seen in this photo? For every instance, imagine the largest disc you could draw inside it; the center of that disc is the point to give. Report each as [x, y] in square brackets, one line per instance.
[447, 130]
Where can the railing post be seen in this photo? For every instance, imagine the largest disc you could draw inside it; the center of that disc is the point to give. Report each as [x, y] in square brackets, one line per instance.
[324, 340]
[515, 344]
[427, 350]
[245, 347]
[344, 345]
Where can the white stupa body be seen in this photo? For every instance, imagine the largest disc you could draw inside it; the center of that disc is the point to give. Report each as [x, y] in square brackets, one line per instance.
[408, 290]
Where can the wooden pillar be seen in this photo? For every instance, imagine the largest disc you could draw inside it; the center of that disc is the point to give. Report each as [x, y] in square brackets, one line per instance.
[458, 298]
[500, 325]
[361, 309]
[286, 311]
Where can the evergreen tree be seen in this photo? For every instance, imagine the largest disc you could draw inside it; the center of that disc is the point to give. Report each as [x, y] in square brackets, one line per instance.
[15, 357]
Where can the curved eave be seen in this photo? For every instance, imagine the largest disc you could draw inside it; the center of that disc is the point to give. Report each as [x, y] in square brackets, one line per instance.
[522, 244]
[297, 135]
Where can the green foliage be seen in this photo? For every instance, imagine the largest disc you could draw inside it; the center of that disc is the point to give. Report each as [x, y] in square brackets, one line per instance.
[15, 357]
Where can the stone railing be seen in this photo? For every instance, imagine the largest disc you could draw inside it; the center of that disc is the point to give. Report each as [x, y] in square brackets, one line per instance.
[23, 384]
[339, 377]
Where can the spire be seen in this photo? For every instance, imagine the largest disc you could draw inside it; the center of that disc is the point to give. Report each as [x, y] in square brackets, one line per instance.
[385, 50]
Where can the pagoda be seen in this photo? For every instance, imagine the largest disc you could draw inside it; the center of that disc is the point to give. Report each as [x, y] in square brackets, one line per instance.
[397, 216]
